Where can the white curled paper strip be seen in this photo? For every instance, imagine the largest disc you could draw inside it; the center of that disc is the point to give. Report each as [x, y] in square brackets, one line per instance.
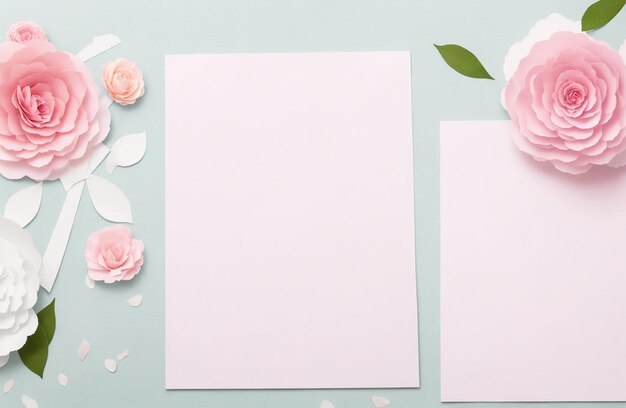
[99, 45]
[57, 245]
[108, 200]
[127, 151]
[23, 206]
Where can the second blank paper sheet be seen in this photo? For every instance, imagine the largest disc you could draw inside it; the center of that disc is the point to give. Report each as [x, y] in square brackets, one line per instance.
[290, 228]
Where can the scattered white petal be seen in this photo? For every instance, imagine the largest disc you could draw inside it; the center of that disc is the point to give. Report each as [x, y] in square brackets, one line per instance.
[63, 379]
[127, 151]
[122, 355]
[326, 404]
[23, 206]
[89, 282]
[99, 45]
[29, 402]
[4, 360]
[8, 386]
[135, 300]
[83, 349]
[110, 365]
[380, 402]
[108, 200]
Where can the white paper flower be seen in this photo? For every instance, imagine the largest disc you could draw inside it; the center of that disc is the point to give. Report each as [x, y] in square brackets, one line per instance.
[19, 282]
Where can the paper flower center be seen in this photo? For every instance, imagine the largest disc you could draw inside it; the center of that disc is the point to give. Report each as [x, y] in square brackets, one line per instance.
[35, 108]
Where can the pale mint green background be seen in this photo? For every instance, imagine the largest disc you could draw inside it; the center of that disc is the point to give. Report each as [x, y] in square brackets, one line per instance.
[152, 28]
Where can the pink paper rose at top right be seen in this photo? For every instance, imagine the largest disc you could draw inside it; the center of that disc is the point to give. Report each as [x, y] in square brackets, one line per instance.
[113, 255]
[568, 99]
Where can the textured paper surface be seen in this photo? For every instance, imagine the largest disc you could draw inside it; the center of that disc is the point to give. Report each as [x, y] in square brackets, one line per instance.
[533, 275]
[289, 230]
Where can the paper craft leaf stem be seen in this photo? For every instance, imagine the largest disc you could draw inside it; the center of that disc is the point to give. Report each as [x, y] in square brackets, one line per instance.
[99, 45]
[109, 201]
[127, 151]
[463, 61]
[34, 354]
[600, 13]
[23, 206]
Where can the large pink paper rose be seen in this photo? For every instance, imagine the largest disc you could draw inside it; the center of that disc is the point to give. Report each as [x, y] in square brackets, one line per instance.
[568, 98]
[113, 255]
[50, 112]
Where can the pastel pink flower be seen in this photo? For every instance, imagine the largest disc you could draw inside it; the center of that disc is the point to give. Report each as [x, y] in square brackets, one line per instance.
[123, 80]
[25, 31]
[50, 112]
[568, 98]
[113, 255]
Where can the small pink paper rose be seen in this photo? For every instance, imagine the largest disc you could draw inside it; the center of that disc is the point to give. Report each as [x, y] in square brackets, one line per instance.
[25, 31]
[51, 114]
[124, 81]
[113, 255]
[568, 98]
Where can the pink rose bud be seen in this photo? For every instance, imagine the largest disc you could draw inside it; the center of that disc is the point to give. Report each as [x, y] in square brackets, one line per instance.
[123, 80]
[113, 255]
[25, 31]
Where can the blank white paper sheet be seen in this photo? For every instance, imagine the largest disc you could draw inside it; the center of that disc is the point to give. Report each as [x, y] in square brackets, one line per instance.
[290, 222]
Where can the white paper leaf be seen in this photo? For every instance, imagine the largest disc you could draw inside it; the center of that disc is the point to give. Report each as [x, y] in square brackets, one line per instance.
[89, 282]
[108, 200]
[80, 170]
[380, 402]
[326, 404]
[99, 45]
[127, 151]
[122, 355]
[23, 206]
[62, 379]
[135, 300]
[29, 402]
[110, 365]
[8, 386]
[83, 349]
[4, 360]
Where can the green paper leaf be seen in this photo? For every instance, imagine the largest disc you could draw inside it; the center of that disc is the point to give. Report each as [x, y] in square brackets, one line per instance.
[47, 318]
[34, 354]
[463, 61]
[600, 13]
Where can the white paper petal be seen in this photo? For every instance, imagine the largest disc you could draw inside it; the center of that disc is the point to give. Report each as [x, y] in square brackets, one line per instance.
[380, 402]
[122, 355]
[110, 365]
[542, 30]
[127, 151]
[29, 402]
[57, 245]
[4, 360]
[89, 282]
[135, 300]
[8, 386]
[326, 404]
[99, 45]
[83, 349]
[108, 200]
[23, 206]
[618, 161]
[62, 379]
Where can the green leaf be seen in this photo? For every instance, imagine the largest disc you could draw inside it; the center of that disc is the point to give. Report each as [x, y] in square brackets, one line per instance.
[34, 354]
[463, 61]
[47, 318]
[600, 13]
